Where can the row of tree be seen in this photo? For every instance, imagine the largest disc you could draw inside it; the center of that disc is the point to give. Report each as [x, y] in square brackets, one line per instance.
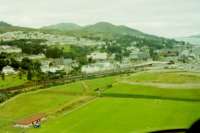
[35, 47]
[25, 66]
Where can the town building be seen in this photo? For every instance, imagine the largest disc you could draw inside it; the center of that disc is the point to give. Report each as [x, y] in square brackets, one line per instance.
[27, 122]
[36, 57]
[8, 70]
[9, 49]
[97, 56]
[97, 67]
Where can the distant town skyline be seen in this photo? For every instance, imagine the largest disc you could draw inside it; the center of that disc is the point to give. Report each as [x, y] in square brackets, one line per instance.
[168, 18]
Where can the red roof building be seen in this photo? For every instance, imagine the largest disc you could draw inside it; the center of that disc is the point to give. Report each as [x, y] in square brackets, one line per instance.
[27, 122]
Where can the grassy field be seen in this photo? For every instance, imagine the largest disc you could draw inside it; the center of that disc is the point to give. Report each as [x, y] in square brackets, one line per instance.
[11, 81]
[66, 48]
[45, 101]
[151, 92]
[26, 105]
[122, 108]
[166, 77]
[124, 115]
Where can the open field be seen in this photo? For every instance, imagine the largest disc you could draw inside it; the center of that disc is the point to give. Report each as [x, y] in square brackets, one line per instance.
[151, 92]
[44, 101]
[166, 77]
[123, 107]
[11, 81]
[66, 48]
[26, 105]
[124, 115]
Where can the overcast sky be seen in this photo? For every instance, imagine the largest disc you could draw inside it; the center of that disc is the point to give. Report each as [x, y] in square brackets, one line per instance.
[170, 18]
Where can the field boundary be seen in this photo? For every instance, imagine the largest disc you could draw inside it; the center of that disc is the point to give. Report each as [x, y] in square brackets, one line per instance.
[141, 96]
[183, 86]
[79, 107]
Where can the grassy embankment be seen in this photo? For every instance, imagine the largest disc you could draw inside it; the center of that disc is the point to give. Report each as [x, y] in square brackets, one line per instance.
[11, 81]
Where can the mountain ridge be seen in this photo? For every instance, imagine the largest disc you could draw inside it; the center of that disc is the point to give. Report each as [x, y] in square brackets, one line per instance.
[102, 28]
[4, 24]
[63, 26]
[6, 27]
[193, 39]
[111, 28]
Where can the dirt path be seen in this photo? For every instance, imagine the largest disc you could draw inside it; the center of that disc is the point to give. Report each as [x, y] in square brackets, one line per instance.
[85, 87]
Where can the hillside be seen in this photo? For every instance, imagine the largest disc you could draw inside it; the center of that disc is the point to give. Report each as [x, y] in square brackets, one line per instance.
[197, 36]
[63, 27]
[5, 27]
[4, 24]
[100, 29]
[195, 39]
[110, 28]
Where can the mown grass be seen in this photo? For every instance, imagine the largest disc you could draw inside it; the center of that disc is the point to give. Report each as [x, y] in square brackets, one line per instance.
[144, 91]
[66, 48]
[124, 115]
[122, 107]
[29, 104]
[101, 83]
[133, 108]
[90, 85]
[44, 101]
[11, 81]
[166, 77]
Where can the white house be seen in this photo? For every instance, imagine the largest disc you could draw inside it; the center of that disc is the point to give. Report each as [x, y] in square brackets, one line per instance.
[134, 55]
[97, 56]
[8, 70]
[97, 67]
[54, 69]
[45, 68]
[36, 57]
[9, 49]
[188, 55]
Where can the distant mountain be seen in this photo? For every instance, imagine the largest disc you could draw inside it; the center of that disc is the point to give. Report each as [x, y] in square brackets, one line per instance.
[106, 27]
[5, 27]
[195, 39]
[4, 24]
[98, 30]
[195, 36]
[63, 27]
[101, 27]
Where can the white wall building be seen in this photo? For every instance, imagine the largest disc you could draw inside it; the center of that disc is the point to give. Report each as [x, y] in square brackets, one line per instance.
[9, 49]
[97, 56]
[46, 67]
[97, 67]
[8, 70]
[36, 57]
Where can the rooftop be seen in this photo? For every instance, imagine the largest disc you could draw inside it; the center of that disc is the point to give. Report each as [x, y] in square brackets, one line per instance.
[31, 119]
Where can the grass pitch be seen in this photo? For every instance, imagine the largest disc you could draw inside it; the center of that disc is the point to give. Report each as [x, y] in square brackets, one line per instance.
[122, 108]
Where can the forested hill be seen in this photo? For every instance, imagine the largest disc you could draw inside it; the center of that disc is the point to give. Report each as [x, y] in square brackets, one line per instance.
[195, 39]
[100, 31]
[63, 27]
[5, 27]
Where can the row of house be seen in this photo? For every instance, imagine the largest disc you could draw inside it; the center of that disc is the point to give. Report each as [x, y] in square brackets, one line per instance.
[98, 56]
[8, 70]
[9, 49]
[51, 38]
[60, 64]
[97, 67]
